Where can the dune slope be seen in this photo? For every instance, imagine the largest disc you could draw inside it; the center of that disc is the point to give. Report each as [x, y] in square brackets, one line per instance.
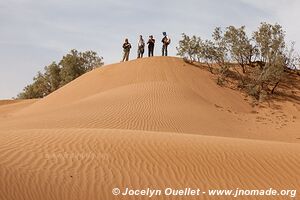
[156, 94]
[148, 123]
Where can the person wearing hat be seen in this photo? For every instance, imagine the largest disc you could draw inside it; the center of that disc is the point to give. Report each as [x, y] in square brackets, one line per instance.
[151, 43]
[166, 41]
[126, 50]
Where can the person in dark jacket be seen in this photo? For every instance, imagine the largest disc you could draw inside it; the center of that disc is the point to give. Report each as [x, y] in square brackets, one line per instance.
[151, 43]
[126, 50]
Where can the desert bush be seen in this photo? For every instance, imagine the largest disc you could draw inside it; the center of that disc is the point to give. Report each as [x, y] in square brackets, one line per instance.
[71, 66]
[75, 63]
[292, 59]
[189, 47]
[38, 89]
[270, 43]
[220, 51]
[239, 46]
[209, 51]
[52, 76]
[206, 53]
[265, 54]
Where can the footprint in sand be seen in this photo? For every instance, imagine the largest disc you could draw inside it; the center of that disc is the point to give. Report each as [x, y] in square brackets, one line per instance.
[217, 106]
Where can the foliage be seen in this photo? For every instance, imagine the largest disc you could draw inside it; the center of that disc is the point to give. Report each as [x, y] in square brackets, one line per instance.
[239, 46]
[189, 47]
[72, 65]
[270, 42]
[265, 55]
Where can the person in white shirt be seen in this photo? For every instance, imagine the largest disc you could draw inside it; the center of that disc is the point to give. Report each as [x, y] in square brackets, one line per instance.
[141, 47]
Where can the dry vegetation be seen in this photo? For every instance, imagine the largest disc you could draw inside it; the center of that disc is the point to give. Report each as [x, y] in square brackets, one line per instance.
[56, 75]
[257, 65]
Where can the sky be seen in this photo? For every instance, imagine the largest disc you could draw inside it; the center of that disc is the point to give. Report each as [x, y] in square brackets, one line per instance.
[34, 33]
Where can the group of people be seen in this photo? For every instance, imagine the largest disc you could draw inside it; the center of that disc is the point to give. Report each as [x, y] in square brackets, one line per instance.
[141, 46]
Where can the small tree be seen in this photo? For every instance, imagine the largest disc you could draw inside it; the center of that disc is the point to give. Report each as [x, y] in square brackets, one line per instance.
[72, 65]
[220, 51]
[271, 45]
[75, 63]
[292, 60]
[52, 76]
[91, 60]
[239, 46]
[189, 47]
[220, 54]
[38, 89]
[270, 41]
[207, 53]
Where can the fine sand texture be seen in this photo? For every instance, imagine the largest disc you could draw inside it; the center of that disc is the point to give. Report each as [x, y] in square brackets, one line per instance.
[148, 123]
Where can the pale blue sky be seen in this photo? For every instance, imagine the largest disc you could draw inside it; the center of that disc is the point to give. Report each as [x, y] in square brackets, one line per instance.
[33, 33]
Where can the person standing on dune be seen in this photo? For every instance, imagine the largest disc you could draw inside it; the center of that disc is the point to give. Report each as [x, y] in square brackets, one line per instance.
[150, 43]
[141, 47]
[126, 49]
[166, 41]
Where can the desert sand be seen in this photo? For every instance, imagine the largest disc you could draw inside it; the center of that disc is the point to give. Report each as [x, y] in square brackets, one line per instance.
[149, 123]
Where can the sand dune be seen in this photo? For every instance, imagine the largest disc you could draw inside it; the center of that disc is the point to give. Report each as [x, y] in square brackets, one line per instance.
[9, 107]
[143, 74]
[148, 123]
[157, 94]
[87, 164]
